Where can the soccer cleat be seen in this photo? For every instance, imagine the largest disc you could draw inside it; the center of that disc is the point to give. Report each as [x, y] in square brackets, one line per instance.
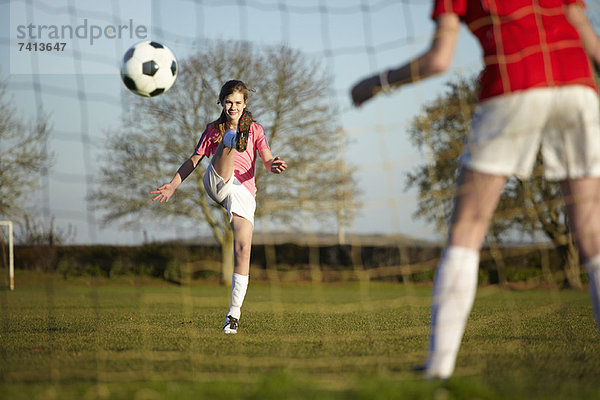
[421, 371]
[231, 325]
[243, 131]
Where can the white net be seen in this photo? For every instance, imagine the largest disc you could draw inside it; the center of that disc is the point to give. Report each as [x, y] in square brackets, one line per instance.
[345, 243]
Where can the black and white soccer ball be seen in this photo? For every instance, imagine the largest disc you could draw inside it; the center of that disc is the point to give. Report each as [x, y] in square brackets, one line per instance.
[149, 68]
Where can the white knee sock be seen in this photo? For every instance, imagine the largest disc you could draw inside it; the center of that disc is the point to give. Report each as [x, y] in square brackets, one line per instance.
[229, 138]
[593, 272]
[454, 289]
[239, 285]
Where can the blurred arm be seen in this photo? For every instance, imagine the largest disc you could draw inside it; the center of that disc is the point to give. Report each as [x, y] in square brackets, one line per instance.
[435, 60]
[576, 16]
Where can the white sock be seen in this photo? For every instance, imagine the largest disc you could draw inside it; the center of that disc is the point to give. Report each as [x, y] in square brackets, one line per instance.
[229, 138]
[454, 289]
[593, 272]
[239, 285]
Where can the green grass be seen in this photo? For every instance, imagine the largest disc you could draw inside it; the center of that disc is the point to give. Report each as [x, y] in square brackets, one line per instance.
[136, 338]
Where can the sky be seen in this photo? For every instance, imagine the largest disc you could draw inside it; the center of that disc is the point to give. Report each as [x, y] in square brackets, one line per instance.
[83, 95]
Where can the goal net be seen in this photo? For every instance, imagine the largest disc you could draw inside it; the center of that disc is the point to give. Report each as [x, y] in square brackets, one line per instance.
[345, 242]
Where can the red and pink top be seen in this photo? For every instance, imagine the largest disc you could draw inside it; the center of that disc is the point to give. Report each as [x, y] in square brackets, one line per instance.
[526, 43]
[243, 163]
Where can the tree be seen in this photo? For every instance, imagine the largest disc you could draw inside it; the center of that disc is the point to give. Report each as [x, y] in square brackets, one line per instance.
[529, 206]
[23, 156]
[158, 134]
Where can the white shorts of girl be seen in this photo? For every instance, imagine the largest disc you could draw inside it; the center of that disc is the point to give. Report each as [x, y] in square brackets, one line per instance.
[232, 195]
[507, 132]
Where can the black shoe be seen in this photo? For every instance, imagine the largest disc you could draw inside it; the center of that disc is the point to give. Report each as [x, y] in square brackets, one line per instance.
[422, 371]
[243, 131]
[231, 325]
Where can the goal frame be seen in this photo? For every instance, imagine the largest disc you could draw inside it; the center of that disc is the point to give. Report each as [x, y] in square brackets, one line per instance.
[11, 255]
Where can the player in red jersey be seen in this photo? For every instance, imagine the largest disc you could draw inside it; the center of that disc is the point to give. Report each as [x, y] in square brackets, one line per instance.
[537, 90]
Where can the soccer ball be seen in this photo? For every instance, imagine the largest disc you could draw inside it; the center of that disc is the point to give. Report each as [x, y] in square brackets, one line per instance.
[149, 69]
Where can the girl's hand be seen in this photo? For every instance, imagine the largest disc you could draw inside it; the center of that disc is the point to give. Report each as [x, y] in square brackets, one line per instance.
[278, 165]
[164, 192]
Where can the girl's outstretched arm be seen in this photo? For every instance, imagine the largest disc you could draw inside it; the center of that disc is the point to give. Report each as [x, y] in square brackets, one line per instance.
[164, 192]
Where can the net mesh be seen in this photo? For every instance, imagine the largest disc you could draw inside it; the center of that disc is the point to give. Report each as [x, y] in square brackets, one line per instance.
[386, 243]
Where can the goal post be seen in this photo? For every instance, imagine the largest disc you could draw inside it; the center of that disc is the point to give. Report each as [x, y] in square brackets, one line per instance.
[11, 254]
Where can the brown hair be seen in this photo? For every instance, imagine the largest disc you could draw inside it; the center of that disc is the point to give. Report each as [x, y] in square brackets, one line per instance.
[230, 87]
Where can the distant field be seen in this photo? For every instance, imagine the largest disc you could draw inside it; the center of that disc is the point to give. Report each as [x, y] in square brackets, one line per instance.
[135, 338]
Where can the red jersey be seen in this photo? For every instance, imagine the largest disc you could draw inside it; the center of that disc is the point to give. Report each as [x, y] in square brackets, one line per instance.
[243, 163]
[526, 43]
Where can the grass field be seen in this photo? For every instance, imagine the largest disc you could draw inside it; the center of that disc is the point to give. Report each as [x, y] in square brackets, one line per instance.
[135, 338]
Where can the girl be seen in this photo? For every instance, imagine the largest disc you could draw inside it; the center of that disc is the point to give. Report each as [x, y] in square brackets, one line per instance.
[232, 141]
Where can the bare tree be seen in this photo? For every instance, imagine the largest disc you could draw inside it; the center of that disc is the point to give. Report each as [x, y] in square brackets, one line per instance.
[289, 102]
[23, 156]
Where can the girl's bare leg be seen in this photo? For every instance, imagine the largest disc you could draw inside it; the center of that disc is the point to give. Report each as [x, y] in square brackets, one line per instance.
[455, 281]
[582, 205]
[475, 201]
[242, 243]
[222, 161]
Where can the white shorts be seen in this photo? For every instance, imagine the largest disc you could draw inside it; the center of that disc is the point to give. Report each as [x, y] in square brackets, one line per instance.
[232, 195]
[507, 131]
